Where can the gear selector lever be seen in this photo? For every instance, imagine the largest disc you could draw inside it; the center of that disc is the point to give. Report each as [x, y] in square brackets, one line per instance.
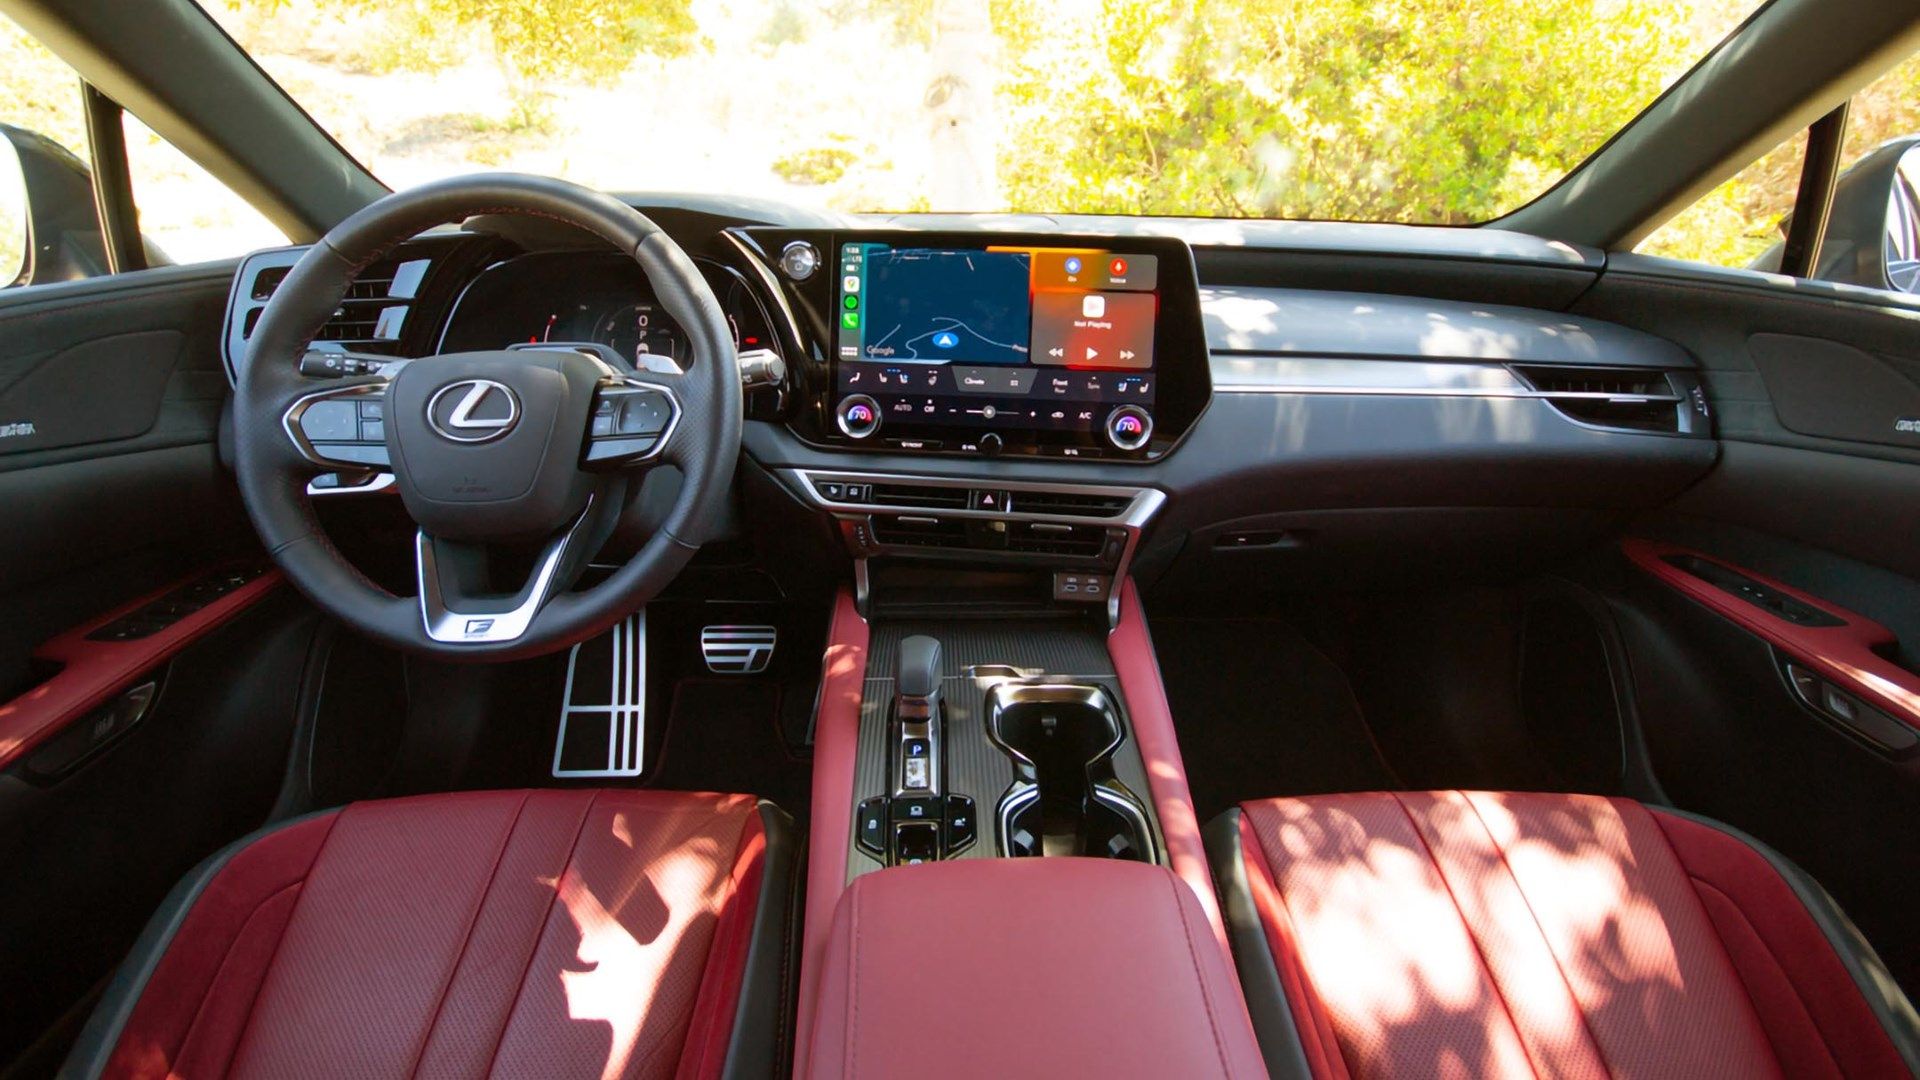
[916, 718]
[916, 821]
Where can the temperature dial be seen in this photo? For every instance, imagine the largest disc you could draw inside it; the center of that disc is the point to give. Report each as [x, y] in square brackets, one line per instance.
[1129, 427]
[858, 415]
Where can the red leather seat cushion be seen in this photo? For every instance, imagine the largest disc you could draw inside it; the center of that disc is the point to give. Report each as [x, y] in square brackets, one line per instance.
[1476, 934]
[548, 933]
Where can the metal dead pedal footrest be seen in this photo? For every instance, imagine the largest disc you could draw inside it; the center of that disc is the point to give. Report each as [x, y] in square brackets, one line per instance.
[737, 650]
[603, 714]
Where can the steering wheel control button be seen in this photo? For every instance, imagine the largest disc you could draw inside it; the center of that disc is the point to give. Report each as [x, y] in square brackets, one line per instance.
[1129, 427]
[628, 424]
[330, 421]
[644, 413]
[799, 260]
[365, 455]
[473, 410]
[858, 416]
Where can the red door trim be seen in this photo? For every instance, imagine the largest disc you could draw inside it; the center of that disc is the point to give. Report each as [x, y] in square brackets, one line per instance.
[92, 672]
[1845, 655]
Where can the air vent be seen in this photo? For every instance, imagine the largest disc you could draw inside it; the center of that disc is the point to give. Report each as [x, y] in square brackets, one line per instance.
[909, 530]
[370, 317]
[920, 496]
[1062, 504]
[1623, 399]
[1043, 538]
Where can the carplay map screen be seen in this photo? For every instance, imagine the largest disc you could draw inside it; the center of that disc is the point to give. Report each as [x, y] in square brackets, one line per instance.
[1008, 338]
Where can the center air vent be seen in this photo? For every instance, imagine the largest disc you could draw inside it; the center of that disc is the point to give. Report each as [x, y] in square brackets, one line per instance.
[1062, 504]
[914, 531]
[1621, 399]
[920, 496]
[1044, 538]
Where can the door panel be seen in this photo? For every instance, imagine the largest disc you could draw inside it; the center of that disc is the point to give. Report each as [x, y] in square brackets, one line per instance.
[123, 760]
[1816, 497]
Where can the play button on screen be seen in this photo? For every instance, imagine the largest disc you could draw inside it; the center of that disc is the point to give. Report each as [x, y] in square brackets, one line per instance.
[1103, 330]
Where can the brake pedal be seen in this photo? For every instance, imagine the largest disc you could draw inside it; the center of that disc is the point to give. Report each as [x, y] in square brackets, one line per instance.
[603, 715]
[738, 650]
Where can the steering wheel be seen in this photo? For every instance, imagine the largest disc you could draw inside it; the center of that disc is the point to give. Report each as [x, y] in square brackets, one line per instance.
[522, 450]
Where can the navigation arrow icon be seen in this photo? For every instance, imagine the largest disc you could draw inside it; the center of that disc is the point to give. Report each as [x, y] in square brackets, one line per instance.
[946, 339]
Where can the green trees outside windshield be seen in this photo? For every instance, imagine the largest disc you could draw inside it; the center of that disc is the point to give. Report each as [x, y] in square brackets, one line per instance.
[1428, 111]
[1431, 111]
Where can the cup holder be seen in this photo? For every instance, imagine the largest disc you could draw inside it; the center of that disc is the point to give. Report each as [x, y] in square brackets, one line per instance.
[1065, 798]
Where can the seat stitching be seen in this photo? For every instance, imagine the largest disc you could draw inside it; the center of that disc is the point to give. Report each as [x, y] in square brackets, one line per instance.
[1580, 1010]
[225, 959]
[852, 1051]
[1199, 977]
[1479, 949]
[1315, 1010]
[1700, 883]
[1728, 970]
[731, 893]
[1559, 969]
[540, 931]
[292, 918]
[473, 921]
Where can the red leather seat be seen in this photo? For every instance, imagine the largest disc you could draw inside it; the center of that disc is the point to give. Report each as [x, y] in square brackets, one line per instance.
[1477, 934]
[514, 933]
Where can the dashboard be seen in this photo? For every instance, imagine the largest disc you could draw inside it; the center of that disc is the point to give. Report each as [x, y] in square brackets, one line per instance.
[1194, 404]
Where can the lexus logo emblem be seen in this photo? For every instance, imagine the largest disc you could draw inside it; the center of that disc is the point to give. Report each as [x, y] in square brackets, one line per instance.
[473, 410]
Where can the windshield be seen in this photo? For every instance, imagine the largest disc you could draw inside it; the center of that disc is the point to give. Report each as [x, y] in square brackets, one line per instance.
[1428, 111]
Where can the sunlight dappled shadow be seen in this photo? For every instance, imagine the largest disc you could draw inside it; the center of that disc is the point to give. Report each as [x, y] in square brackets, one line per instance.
[1492, 935]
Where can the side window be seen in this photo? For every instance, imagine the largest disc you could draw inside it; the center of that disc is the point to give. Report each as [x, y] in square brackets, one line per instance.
[1871, 233]
[43, 172]
[1741, 223]
[50, 228]
[186, 215]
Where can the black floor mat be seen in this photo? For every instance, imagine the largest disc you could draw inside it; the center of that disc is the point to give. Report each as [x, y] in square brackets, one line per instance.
[724, 735]
[1260, 712]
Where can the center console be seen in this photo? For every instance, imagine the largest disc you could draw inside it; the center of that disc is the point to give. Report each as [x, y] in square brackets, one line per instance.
[983, 740]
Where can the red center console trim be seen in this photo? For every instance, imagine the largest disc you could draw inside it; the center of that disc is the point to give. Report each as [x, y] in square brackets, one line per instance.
[1152, 719]
[1843, 654]
[836, 740]
[92, 672]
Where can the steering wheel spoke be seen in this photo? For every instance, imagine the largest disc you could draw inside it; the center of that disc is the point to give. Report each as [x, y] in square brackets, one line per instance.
[633, 420]
[455, 606]
[342, 426]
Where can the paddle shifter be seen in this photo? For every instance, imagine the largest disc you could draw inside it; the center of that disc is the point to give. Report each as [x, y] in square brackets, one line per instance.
[916, 821]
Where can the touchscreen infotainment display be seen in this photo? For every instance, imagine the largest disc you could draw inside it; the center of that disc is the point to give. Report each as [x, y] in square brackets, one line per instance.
[1013, 338]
